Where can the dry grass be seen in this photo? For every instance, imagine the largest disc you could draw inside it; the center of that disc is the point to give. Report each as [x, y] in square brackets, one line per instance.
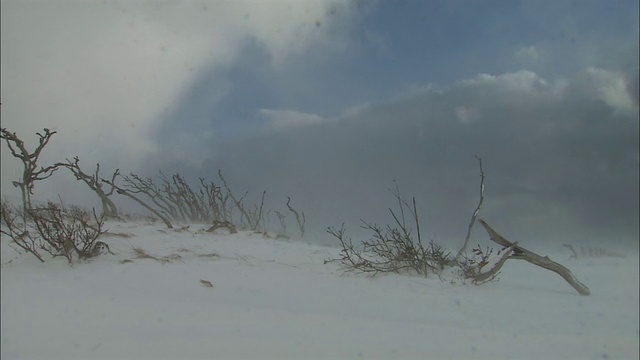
[206, 283]
[119, 235]
[143, 254]
[140, 253]
[209, 256]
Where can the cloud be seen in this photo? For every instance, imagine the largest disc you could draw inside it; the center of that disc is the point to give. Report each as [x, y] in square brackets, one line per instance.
[284, 119]
[612, 88]
[528, 54]
[561, 160]
[291, 27]
[523, 80]
[104, 75]
[467, 115]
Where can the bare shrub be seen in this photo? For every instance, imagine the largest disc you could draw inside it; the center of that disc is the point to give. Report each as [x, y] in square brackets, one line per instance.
[174, 199]
[70, 233]
[18, 233]
[394, 248]
[399, 247]
[389, 251]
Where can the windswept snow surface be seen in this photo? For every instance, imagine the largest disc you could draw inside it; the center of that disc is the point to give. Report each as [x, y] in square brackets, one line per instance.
[274, 299]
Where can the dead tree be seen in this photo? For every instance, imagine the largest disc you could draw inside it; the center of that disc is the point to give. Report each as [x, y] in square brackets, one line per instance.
[109, 209]
[30, 173]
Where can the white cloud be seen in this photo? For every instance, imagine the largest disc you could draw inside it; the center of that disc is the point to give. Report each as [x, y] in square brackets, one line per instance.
[610, 87]
[286, 119]
[528, 54]
[467, 115]
[103, 74]
[290, 27]
[520, 80]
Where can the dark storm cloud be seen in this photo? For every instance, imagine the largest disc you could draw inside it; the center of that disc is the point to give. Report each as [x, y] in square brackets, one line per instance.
[561, 159]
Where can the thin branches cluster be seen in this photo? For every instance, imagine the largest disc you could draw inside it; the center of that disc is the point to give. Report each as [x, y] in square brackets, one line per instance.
[399, 247]
[172, 199]
[393, 248]
[70, 233]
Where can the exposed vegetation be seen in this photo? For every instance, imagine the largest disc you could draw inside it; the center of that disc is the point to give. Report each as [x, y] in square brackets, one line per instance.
[399, 247]
[30, 172]
[53, 229]
[71, 233]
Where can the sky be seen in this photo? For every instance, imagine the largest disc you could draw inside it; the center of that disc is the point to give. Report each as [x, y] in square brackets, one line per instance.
[334, 102]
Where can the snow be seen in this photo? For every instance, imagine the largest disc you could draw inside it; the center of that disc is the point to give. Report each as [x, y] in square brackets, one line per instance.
[277, 299]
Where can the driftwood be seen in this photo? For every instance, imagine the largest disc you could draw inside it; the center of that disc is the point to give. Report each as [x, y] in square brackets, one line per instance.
[543, 261]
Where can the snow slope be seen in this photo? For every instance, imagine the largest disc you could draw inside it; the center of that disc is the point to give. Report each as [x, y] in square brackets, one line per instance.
[274, 299]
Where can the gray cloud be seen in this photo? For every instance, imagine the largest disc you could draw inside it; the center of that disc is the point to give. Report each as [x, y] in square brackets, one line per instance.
[259, 91]
[561, 159]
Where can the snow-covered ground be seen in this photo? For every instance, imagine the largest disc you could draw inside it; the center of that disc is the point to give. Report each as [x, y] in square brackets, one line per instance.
[274, 299]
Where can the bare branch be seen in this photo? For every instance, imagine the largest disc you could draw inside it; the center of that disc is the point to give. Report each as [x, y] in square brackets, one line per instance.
[109, 209]
[20, 237]
[238, 203]
[298, 219]
[126, 193]
[523, 254]
[475, 213]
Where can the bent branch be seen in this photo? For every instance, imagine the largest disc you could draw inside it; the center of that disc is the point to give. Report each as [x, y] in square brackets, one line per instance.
[543, 261]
